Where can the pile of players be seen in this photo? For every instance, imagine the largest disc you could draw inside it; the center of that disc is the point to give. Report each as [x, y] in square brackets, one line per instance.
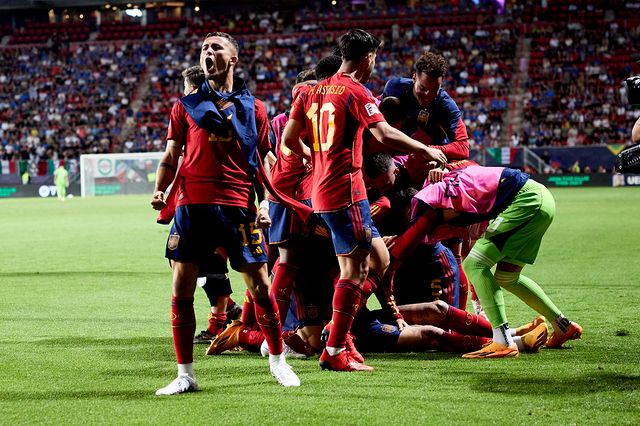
[366, 196]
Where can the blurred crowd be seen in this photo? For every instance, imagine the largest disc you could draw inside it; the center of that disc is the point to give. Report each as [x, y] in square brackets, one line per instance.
[62, 100]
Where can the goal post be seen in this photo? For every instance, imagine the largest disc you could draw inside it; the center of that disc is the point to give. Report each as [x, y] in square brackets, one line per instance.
[114, 174]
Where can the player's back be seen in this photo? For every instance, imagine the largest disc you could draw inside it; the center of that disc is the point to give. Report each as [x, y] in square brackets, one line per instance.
[336, 111]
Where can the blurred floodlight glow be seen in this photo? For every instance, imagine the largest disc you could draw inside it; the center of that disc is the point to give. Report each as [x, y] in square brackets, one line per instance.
[135, 13]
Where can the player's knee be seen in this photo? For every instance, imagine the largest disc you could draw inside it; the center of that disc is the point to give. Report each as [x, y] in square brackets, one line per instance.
[506, 279]
[474, 267]
[439, 308]
[429, 336]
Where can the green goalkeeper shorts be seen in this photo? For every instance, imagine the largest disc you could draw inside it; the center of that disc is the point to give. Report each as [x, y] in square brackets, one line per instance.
[516, 233]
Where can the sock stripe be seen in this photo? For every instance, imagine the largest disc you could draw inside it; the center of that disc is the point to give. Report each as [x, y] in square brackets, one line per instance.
[479, 257]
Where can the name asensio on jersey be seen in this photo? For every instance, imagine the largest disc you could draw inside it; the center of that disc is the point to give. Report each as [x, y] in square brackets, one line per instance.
[327, 90]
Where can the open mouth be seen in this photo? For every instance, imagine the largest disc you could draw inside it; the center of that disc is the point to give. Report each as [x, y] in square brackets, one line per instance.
[208, 62]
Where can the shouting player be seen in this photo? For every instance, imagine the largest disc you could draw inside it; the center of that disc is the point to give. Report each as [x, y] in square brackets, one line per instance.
[221, 128]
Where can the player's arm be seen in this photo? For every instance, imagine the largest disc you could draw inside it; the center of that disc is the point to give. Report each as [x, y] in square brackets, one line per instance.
[635, 132]
[265, 143]
[395, 139]
[263, 220]
[387, 301]
[454, 150]
[402, 246]
[291, 139]
[458, 146]
[165, 173]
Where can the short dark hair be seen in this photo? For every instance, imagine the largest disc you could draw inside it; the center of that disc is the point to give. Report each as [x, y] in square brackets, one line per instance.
[305, 75]
[401, 199]
[376, 164]
[328, 66]
[392, 109]
[194, 75]
[227, 36]
[432, 64]
[356, 44]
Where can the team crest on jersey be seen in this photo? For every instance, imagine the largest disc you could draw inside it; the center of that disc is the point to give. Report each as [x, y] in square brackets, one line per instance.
[423, 117]
[174, 239]
[372, 109]
[228, 137]
[388, 329]
[223, 104]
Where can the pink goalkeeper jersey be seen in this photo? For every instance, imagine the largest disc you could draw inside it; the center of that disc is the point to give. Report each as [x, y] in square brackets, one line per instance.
[470, 190]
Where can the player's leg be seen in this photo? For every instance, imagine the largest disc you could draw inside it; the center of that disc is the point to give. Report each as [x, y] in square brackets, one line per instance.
[183, 324]
[428, 337]
[284, 274]
[478, 266]
[268, 318]
[443, 315]
[187, 239]
[352, 232]
[522, 248]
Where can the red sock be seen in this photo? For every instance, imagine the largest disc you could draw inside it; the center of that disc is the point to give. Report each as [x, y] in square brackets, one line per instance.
[269, 321]
[458, 343]
[346, 300]
[216, 322]
[464, 286]
[183, 325]
[248, 317]
[251, 339]
[370, 285]
[467, 323]
[474, 296]
[282, 285]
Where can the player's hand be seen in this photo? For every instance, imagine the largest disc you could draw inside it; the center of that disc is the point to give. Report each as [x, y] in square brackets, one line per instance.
[437, 174]
[263, 221]
[433, 154]
[402, 324]
[158, 201]
[390, 241]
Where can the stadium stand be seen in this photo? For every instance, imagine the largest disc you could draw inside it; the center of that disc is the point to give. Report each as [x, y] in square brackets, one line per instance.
[532, 75]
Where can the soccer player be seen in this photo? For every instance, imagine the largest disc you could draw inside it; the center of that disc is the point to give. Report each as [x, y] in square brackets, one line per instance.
[213, 274]
[335, 113]
[429, 114]
[292, 175]
[220, 128]
[520, 210]
[61, 179]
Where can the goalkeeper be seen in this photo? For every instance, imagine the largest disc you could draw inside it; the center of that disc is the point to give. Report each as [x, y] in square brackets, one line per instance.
[521, 211]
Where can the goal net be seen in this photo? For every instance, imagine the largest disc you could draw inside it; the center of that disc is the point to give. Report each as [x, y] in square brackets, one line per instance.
[111, 174]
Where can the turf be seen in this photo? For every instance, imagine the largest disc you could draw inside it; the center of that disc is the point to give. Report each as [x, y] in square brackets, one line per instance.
[85, 335]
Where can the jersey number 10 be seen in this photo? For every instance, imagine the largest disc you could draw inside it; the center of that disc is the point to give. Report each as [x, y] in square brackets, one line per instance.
[322, 138]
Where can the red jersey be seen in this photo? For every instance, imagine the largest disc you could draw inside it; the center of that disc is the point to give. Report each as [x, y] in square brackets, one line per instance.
[214, 169]
[335, 113]
[291, 176]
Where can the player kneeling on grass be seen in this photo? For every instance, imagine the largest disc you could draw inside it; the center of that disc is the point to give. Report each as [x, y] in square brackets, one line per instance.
[521, 211]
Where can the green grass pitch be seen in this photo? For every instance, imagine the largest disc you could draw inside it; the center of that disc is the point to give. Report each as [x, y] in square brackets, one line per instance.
[85, 335]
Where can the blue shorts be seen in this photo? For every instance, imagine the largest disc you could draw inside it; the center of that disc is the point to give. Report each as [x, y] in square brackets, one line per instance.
[198, 229]
[285, 225]
[351, 228]
[376, 337]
